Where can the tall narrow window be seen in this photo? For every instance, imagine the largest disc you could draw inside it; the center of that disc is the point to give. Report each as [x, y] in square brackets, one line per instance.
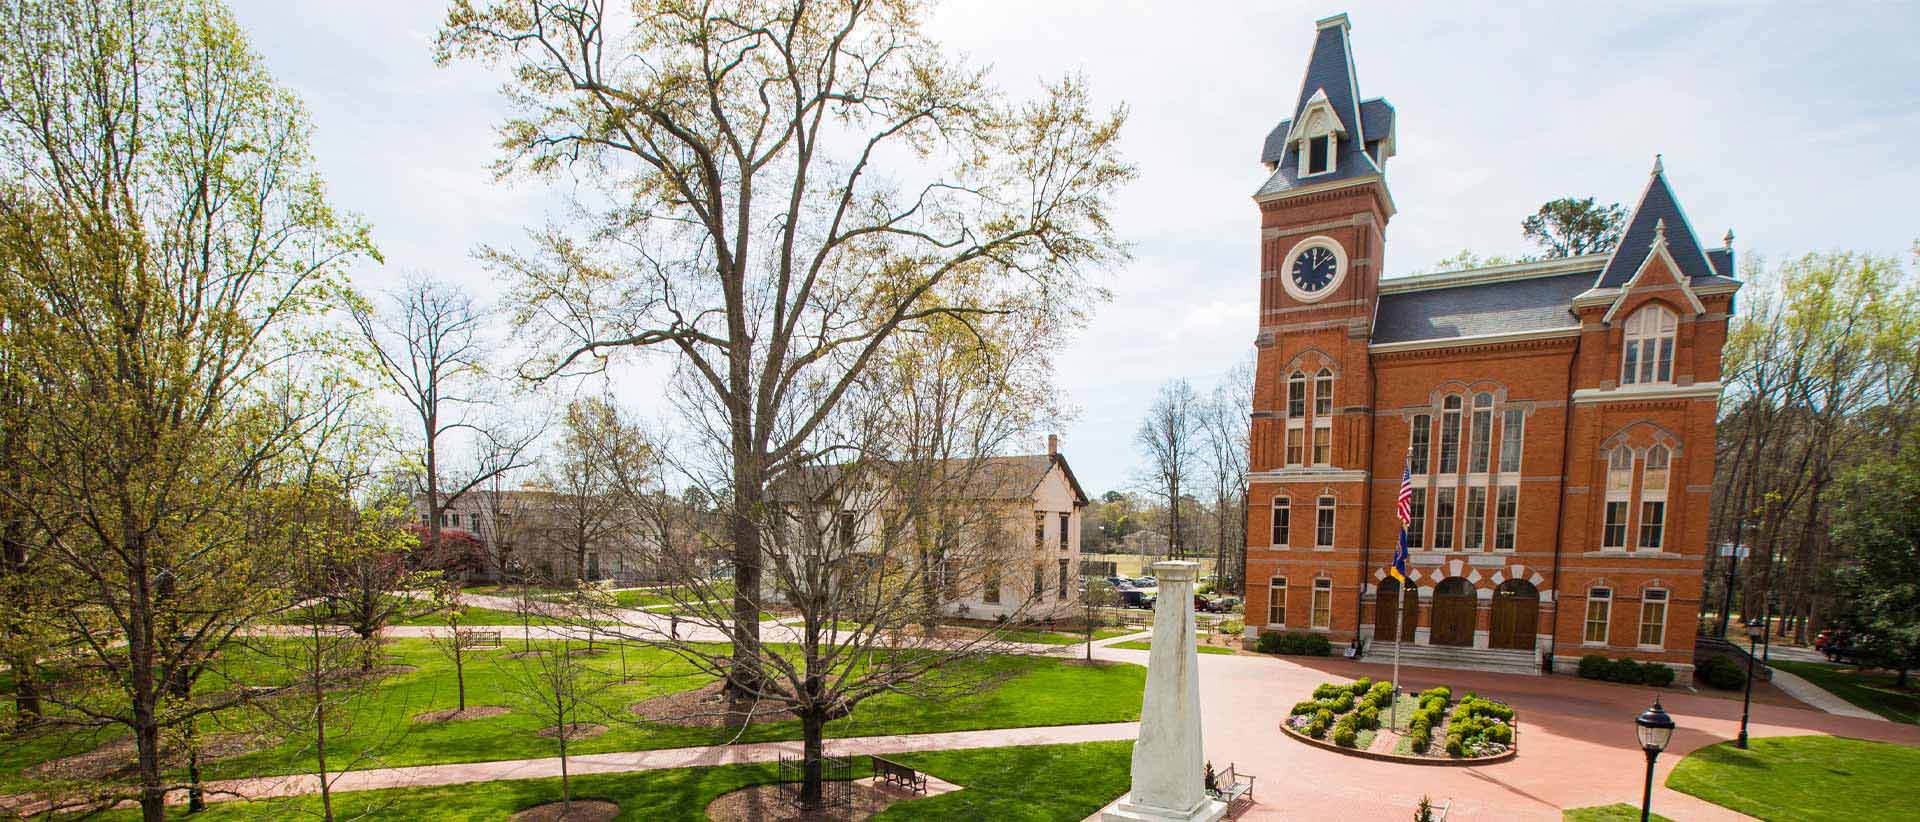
[1039, 529]
[1620, 471]
[1065, 520]
[1063, 579]
[990, 585]
[1482, 440]
[1297, 396]
[1323, 393]
[1039, 582]
[1294, 448]
[1475, 525]
[1282, 521]
[1653, 617]
[1277, 601]
[1450, 434]
[843, 531]
[1443, 519]
[1323, 530]
[1322, 445]
[1648, 357]
[1513, 427]
[1654, 476]
[1505, 514]
[1599, 613]
[1417, 525]
[1420, 442]
[1322, 603]
[1319, 154]
[1615, 535]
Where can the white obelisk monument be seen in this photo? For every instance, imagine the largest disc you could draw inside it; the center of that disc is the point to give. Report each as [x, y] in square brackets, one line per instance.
[1168, 760]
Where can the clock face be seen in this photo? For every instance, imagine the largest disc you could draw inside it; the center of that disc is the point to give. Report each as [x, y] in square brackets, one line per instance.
[1315, 269]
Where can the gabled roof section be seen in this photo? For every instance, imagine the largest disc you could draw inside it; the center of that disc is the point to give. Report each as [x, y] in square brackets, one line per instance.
[1657, 205]
[1330, 77]
[1477, 309]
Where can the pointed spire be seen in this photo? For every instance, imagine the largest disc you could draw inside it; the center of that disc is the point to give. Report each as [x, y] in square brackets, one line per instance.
[1660, 232]
[1658, 168]
[1727, 241]
[1656, 221]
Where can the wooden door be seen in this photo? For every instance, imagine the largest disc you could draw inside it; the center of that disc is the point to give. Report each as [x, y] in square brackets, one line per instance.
[1453, 606]
[1385, 619]
[1516, 610]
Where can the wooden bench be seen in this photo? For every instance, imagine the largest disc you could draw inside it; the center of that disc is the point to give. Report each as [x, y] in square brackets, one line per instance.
[894, 773]
[1231, 786]
[480, 639]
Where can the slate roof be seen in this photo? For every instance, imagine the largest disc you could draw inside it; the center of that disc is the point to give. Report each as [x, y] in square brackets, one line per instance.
[991, 478]
[1535, 304]
[1376, 122]
[1329, 69]
[1656, 205]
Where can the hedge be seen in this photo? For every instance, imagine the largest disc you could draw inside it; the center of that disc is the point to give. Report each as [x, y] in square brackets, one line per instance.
[1296, 643]
[1720, 672]
[1595, 666]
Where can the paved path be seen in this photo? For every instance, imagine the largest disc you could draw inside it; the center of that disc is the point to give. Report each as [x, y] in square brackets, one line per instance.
[1819, 697]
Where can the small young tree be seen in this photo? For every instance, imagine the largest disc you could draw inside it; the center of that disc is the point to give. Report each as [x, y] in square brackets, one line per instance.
[452, 644]
[560, 686]
[1098, 596]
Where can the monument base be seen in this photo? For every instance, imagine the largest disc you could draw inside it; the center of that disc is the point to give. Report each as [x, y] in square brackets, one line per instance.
[1209, 810]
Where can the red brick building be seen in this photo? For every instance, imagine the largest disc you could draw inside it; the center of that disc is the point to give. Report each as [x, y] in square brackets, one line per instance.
[1556, 417]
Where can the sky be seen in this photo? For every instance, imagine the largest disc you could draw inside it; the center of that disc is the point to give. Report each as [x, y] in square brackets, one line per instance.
[1793, 124]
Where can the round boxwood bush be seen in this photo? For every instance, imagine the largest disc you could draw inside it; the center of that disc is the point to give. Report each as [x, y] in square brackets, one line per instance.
[1420, 738]
[1344, 735]
[1624, 670]
[1343, 703]
[1593, 666]
[1720, 672]
[1656, 674]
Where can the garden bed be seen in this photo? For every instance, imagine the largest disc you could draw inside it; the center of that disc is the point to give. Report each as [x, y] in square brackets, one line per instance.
[1348, 718]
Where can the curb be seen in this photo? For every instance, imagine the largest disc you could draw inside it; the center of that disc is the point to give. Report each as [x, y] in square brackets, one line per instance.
[1447, 761]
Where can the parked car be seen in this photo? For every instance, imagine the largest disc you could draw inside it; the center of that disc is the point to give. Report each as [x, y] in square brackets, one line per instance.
[1132, 598]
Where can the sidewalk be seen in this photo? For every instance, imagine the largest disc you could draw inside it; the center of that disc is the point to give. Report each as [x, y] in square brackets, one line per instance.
[1820, 697]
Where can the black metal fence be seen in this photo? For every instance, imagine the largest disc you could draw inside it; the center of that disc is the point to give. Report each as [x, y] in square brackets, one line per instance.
[836, 775]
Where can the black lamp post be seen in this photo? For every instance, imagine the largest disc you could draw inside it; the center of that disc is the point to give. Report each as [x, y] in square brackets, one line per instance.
[1746, 702]
[1656, 729]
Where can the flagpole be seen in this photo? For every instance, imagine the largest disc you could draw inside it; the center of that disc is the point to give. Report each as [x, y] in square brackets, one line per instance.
[1399, 630]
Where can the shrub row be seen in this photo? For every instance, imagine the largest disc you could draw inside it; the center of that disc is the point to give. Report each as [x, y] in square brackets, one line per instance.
[1477, 721]
[1299, 644]
[1433, 703]
[1595, 666]
[1318, 728]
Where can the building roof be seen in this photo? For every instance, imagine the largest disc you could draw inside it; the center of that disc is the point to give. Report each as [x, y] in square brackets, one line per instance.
[1476, 308]
[1329, 71]
[1658, 205]
[989, 478]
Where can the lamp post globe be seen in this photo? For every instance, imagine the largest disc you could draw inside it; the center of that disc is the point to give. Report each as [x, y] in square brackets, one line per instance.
[1655, 729]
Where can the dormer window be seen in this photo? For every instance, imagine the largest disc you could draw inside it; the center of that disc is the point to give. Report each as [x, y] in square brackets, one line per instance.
[1319, 155]
[1648, 355]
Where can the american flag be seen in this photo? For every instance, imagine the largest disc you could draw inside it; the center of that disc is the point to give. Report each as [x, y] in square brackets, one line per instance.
[1405, 505]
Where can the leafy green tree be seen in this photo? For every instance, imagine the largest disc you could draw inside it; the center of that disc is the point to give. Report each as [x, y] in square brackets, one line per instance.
[1570, 227]
[167, 255]
[1878, 521]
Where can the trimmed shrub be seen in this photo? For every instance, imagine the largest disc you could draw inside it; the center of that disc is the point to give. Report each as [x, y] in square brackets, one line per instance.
[1343, 703]
[1443, 692]
[1268, 643]
[1321, 720]
[1593, 666]
[1360, 686]
[1328, 690]
[1502, 734]
[1420, 738]
[1307, 707]
[1344, 735]
[1624, 670]
[1720, 672]
[1299, 644]
[1369, 717]
[1657, 674]
[1455, 747]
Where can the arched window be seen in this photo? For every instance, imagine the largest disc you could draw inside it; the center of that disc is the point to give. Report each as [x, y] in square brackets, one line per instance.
[1619, 496]
[1323, 393]
[1450, 434]
[1654, 475]
[1297, 396]
[1481, 441]
[1282, 521]
[1419, 446]
[1649, 351]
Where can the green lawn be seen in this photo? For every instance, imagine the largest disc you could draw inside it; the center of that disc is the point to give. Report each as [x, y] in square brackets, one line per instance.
[474, 616]
[1620, 812]
[1805, 778]
[999, 785]
[375, 728]
[638, 598]
[1142, 645]
[1873, 691]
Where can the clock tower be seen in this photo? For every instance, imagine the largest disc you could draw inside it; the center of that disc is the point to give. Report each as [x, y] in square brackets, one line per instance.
[1323, 216]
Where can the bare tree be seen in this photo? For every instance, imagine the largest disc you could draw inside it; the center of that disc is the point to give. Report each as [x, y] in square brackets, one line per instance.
[431, 350]
[560, 687]
[774, 191]
[1170, 437]
[1224, 427]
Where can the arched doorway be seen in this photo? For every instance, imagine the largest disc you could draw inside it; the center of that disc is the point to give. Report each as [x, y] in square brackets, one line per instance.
[1516, 610]
[1453, 604]
[1384, 617]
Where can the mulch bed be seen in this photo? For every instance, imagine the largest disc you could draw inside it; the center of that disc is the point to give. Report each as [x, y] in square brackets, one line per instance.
[119, 757]
[525, 654]
[456, 715]
[704, 707]
[774, 803]
[584, 810]
[575, 730]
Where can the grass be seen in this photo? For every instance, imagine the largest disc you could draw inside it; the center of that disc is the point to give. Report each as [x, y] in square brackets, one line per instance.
[374, 728]
[1871, 690]
[1805, 778]
[471, 616]
[1617, 812]
[642, 598]
[998, 782]
[1142, 645]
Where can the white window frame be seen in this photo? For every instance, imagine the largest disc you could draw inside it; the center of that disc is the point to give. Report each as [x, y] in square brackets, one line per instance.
[1480, 437]
[1278, 535]
[1305, 166]
[1506, 517]
[1420, 444]
[1326, 518]
[1296, 445]
[1316, 618]
[1586, 616]
[1619, 492]
[1451, 497]
[1323, 393]
[1648, 597]
[1647, 349]
[1656, 477]
[1297, 389]
[1417, 528]
[1322, 444]
[1450, 419]
[1473, 518]
[1513, 439]
[1277, 584]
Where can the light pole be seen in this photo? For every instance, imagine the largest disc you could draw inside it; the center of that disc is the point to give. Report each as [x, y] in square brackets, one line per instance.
[1746, 702]
[1656, 729]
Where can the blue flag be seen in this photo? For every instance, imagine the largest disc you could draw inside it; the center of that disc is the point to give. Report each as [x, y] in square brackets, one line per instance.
[1399, 568]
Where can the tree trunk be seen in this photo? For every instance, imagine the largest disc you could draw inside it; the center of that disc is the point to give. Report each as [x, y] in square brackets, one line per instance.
[742, 674]
[320, 728]
[813, 726]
